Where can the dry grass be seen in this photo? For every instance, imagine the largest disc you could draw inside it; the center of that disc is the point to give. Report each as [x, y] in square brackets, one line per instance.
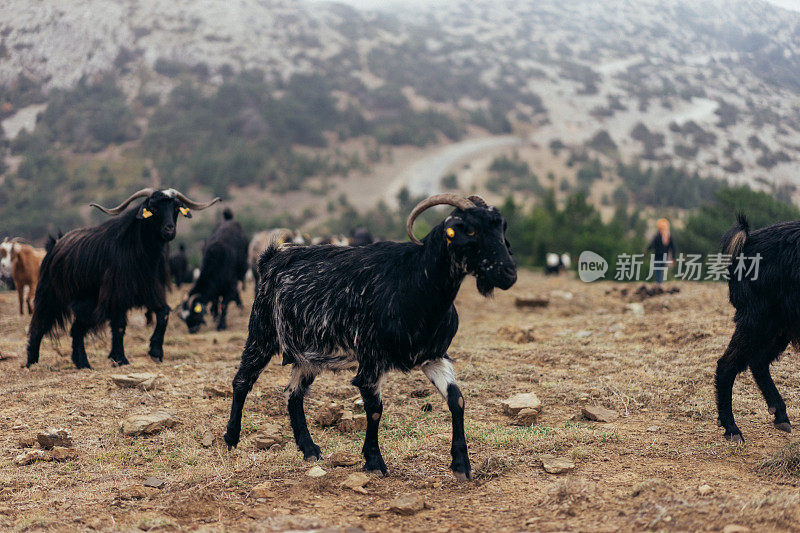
[655, 371]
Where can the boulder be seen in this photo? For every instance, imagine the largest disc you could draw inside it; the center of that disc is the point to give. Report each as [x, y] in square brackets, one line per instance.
[31, 456]
[526, 417]
[329, 415]
[154, 482]
[316, 471]
[356, 482]
[344, 459]
[61, 453]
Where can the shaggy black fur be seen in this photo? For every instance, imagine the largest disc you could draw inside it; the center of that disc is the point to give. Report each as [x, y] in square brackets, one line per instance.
[224, 266]
[386, 306]
[767, 315]
[97, 274]
[179, 267]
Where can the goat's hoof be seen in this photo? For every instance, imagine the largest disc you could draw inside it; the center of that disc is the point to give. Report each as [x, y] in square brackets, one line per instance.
[463, 476]
[313, 457]
[231, 442]
[734, 438]
[312, 453]
[784, 426]
[378, 472]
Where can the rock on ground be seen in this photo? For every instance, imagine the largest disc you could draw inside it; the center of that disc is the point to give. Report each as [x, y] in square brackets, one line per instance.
[29, 457]
[344, 459]
[269, 436]
[147, 424]
[350, 422]
[524, 400]
[262, 490]
[329, 415]
[517, 335]
[599, 414]
[526, 417]
[556, 465]
[54, 437]
[735, 528]
[316, 471]
[218, 391]
[62, 453]
[154, 482]
[407, 504]
[208, 440]
[356, 482]
[140, 380]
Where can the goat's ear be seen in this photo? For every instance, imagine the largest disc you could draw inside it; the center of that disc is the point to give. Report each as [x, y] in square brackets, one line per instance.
[144, 210]
[456, 231]
[184, 211]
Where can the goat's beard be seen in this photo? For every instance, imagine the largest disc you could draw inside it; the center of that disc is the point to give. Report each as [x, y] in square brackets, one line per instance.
[485, 287]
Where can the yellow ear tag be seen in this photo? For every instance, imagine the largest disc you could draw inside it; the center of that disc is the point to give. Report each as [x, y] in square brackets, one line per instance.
[450, 234]
[184, 210]
[146, 213]
[198, 308]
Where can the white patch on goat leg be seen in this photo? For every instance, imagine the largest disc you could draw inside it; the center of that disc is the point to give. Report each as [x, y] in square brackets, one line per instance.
[441, 374]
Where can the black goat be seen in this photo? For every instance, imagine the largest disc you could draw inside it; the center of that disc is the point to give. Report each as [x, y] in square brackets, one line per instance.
[386, 306]
[179, 267]
[97, 274]
[360, 237]
[767, 314]
[224, 266]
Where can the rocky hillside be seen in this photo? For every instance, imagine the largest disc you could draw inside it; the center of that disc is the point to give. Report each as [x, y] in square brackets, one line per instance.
[199, 91]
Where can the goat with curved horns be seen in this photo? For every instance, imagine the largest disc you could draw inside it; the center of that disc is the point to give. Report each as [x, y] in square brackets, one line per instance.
[386, 306]
[97, 274]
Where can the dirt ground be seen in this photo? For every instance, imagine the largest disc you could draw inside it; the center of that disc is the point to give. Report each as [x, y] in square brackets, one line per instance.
[640, 472]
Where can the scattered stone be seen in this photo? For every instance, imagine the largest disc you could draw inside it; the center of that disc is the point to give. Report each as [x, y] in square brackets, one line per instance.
[653, 429]
[31, 456]
[316, 471]
[531, 302]
[356, 482]
[735, 528]
[269, 436]
[61, 453]
[329, 415]
[139, 380]
[262, 490]
[27, 442]
[344, 459]
[526, 417]
[599, 414]
[556, 465]
[218, 391]
[517, 335]
[7, 355]
[133, 492]
[584, 333]
[705, 490]
[154, 482]
[524, 400]
[614, 328]
[208, 440]
[54, 437]
[407, 504]
[636, 308]
[147, 424]
[350, 422]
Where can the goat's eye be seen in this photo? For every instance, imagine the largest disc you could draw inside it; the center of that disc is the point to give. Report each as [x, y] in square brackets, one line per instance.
[471, 233]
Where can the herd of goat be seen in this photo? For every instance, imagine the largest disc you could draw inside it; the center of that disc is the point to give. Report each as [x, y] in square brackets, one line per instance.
[329, 305]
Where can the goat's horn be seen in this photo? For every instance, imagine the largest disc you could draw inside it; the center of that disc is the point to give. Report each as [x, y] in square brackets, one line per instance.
[121, 207]
[191, 203]
[478, 201]
[437, 199]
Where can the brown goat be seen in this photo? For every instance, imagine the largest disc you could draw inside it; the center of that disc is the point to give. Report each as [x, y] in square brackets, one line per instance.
[23, 262]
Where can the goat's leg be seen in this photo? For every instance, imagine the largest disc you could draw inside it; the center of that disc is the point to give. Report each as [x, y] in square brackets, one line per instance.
[373, 406]
[21, 296]
[763, 379]
[156, 351]
[78, 332]
[442, 375]
[254, 359]
[222, 323]
[737, 356]
[299, 383]
[29, 297]
[118, 324]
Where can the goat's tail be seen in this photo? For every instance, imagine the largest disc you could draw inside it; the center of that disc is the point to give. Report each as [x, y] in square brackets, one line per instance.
[734, 239]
